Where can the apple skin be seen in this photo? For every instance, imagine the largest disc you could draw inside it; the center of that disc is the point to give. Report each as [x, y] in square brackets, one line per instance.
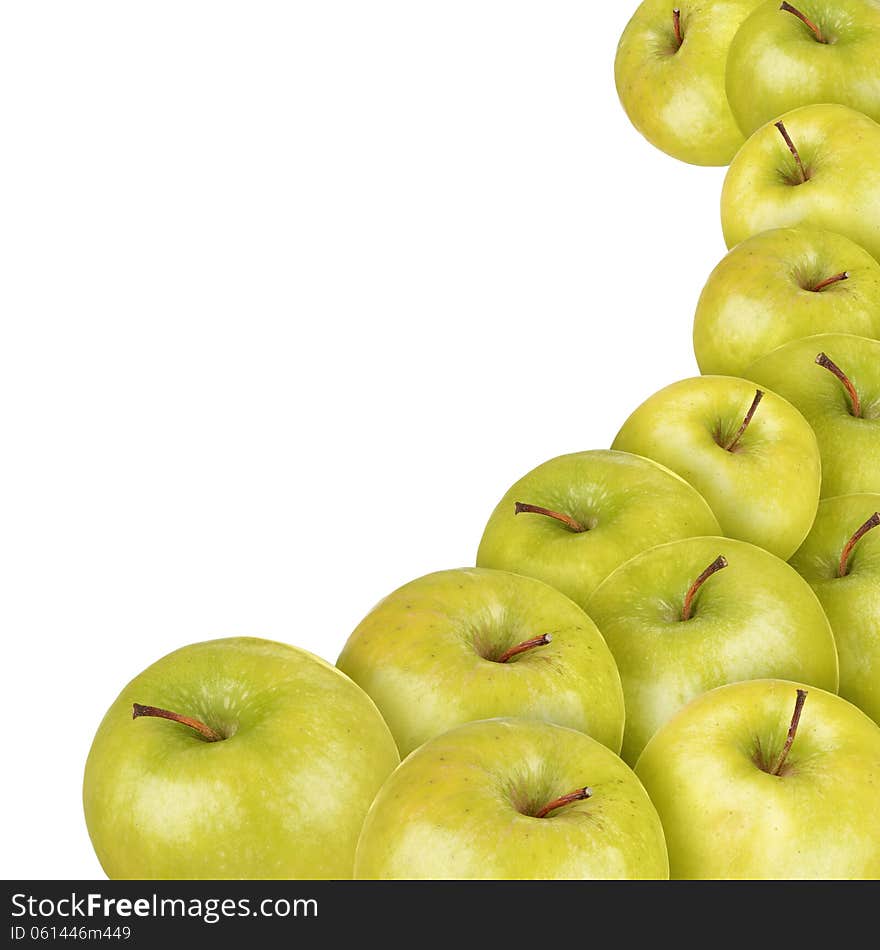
[461, 807]
[852, 603]
[776, 64]
[628, 503]
[726, 818]
[676, 96]
[756, 618]
[849, 445]
[425, 657]
[284, 796]
[767, 491]
[840, 149]
[760, 296]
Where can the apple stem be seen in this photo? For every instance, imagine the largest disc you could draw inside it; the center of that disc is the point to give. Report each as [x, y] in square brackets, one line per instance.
[846, 554]
[793, 149]
[792, 731]
[206, 732]
[734, 442]
[541, 641]
[836, 279]
[676, 27]
[804, 19]
[717, 565]
[567, 520]
[827, 363]
[579, 795]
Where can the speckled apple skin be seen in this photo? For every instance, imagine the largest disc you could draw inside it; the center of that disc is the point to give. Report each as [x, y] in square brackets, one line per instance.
[761, 296]
[462, 806]
[775, 62]
[840, 149]
[675, 96]
[755, 618]
[628, 503]
[849, 445]
[766, 491]
[852, 602]
[426, 655]
[284, 796]
[726, 818]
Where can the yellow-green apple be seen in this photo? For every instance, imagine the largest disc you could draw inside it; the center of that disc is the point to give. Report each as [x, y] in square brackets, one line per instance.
[670, 76]
[235, 758]
[767, 779]
[477, 644]
[780, 286]
[572, 520]
[750, 452]
[841, 561]
[512, 799]
[818, 167]
[811, 51]
[685, 617]
[834, 380]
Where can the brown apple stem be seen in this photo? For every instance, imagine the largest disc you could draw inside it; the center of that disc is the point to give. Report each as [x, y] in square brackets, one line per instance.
[567, 520]
[579, 795]
[836, 279]
[846, 554]
[827, 363]
[734, 442]
[676, 27]
[717, 565]
[792, 731]
[793, 149]
[804, 19]
[541, 641]
[206, 732]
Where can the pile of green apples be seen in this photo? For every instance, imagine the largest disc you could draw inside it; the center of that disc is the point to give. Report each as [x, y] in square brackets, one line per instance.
[666, 661]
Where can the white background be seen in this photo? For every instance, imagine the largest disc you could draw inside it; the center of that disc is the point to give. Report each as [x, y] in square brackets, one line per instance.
[291, 293]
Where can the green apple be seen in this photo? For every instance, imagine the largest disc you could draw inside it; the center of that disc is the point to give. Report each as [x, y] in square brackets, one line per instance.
[685, 617]
[834, 380]
[811, 51]
[477, 644]
[670, 75]
[512, 799]
[817, 167]
[767, 779]
[780, 286]
[572, 520]
[752, 455]
[841, 560]
[236, 758]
